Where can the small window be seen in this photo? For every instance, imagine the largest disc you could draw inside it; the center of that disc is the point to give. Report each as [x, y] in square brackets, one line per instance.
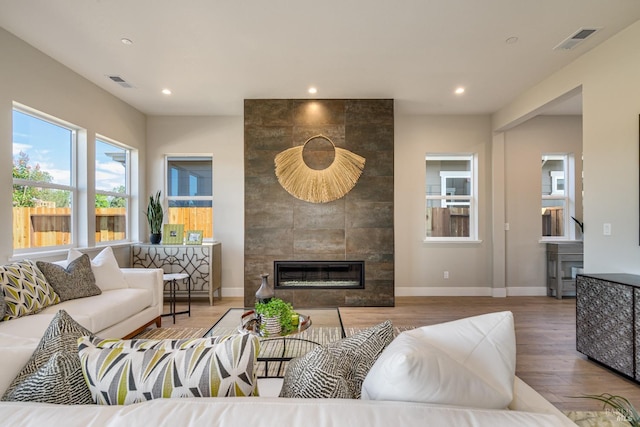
[43, 181]
[113, 195]
[190, 193]
[450, 197]
[557, 203]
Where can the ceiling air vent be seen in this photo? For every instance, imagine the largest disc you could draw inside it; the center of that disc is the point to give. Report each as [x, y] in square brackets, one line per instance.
[576, 38]
[122, 82]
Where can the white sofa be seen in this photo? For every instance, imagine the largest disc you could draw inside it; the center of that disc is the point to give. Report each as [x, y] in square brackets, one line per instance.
[527, 409]
[115, 313]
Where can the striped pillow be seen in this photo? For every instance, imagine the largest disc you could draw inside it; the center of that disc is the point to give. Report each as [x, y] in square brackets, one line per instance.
[122, 372]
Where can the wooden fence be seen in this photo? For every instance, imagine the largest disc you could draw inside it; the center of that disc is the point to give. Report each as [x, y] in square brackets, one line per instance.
[448, 222]
[43, 226]
[553, 221]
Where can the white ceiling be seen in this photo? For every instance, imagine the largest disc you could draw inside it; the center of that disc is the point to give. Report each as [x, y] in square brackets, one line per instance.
[215, 53]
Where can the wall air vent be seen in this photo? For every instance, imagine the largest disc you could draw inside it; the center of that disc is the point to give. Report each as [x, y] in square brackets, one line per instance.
[122, 82]
[576, 38]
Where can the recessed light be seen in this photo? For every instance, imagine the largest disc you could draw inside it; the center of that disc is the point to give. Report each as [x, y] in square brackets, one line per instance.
[166, 91]
[511, 40]
[459, 90]
[313, 90]
[126, 41]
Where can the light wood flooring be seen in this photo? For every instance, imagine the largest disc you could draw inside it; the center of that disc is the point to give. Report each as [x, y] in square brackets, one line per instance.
[545, 336]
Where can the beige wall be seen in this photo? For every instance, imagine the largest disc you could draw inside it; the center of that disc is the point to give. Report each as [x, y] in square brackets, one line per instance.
[524, 146]
[420, 266]
[608, 75]
[31, 78]
[222, 138]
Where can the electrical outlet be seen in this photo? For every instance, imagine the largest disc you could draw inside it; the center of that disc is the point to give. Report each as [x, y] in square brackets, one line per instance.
[446, 274]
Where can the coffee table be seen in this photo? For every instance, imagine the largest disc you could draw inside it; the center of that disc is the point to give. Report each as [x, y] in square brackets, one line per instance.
[275, 352]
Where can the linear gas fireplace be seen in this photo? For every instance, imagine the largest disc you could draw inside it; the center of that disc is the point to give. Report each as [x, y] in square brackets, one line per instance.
[319, 274]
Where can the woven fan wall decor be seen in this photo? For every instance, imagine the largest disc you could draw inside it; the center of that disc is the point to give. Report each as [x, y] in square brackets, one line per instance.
[318, 186]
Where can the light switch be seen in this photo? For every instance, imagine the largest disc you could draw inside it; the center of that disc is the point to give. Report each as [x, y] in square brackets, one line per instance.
[606, 229]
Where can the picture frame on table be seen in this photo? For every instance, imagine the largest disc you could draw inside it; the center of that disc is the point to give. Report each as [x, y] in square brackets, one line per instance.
[193, 237]
[173, 234]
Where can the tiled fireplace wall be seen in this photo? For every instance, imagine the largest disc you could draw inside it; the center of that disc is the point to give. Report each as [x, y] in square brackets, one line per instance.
[358, 226]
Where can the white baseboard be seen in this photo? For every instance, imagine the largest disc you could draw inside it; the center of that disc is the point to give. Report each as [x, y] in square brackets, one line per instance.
[527, 291]
[443, 292]
[423, 291]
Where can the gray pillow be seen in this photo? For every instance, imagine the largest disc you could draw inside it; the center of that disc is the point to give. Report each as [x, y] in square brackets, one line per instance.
[338, 369]
[53, 374]
[3, 305]
[75, 281]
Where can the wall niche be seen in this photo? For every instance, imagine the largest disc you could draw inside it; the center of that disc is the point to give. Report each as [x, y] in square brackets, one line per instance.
[358, 226]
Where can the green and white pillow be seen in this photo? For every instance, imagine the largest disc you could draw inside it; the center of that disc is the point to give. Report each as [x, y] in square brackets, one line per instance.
[53, 373]
[25, 289]
[122, 372]
[74, 281]
[338, 369]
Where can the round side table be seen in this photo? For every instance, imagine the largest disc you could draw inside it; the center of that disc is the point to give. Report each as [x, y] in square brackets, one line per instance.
[172, 279]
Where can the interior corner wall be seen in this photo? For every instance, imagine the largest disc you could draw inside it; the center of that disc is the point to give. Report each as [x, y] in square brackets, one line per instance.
[608, 75]
[524, 146]
[31, 78]
[420, 266]
[222, 138]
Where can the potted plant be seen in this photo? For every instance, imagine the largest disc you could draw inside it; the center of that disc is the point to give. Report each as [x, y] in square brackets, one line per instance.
[277, 317]
[155, 216]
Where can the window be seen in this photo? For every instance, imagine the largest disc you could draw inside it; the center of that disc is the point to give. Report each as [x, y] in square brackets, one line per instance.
[450, 197]
[557, 196]
[113, 195]
[190, 193]
[43, 181]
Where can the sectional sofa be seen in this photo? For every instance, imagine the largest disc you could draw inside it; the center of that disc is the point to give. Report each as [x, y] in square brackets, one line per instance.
[455, 374]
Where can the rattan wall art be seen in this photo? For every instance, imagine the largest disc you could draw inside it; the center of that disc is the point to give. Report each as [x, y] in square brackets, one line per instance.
[318, 186]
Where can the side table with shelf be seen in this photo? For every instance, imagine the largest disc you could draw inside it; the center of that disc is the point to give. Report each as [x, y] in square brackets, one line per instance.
[563, 261]
[201, 262]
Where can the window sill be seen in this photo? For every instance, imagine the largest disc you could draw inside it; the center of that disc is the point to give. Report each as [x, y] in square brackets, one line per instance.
[448, 241]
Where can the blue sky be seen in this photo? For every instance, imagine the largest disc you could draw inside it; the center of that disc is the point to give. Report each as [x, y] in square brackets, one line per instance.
[49, 146]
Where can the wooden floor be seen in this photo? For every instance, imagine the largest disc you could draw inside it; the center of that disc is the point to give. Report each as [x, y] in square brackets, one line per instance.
[545, 334]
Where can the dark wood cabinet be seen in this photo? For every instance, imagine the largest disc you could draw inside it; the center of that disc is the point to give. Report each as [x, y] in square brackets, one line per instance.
[607, 320]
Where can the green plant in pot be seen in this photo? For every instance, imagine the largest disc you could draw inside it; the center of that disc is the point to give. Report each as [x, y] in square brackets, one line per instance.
[155, 216]
[277, 317]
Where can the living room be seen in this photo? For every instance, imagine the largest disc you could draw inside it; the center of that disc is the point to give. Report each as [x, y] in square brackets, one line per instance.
[508, 141]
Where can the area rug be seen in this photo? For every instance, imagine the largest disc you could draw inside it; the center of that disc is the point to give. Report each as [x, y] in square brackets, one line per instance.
[597, 418]
[171, 333]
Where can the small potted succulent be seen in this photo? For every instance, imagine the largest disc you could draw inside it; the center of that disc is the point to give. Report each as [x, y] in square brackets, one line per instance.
[155, 216]
[277, 317]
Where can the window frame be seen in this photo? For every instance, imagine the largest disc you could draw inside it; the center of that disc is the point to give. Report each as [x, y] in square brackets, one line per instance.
[73, 178]
[455, 200]
[567, 194]
[168, 198]
[126, 195]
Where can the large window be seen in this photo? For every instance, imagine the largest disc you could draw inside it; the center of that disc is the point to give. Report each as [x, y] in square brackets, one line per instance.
[450, 197]
[190, 192]
[557, 196]
[43, 181]
[113, 195]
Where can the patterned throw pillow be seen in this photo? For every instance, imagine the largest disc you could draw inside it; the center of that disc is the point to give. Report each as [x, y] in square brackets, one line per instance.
[121, 372]
[25, 289]
[53, 373]
[3, 305]
[337, 369]
[75, 281]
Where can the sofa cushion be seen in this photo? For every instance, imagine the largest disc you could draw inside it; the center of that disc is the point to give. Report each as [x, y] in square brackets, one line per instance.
[339, 368]
[108, 308]
[468, 362]
[74, 281]
[53, 373]
[15, 353]
[121, 372]
[105, 269]
[25, 289]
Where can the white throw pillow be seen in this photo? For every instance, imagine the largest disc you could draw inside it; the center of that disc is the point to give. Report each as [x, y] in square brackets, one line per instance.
[469, 362]
[105, 269]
